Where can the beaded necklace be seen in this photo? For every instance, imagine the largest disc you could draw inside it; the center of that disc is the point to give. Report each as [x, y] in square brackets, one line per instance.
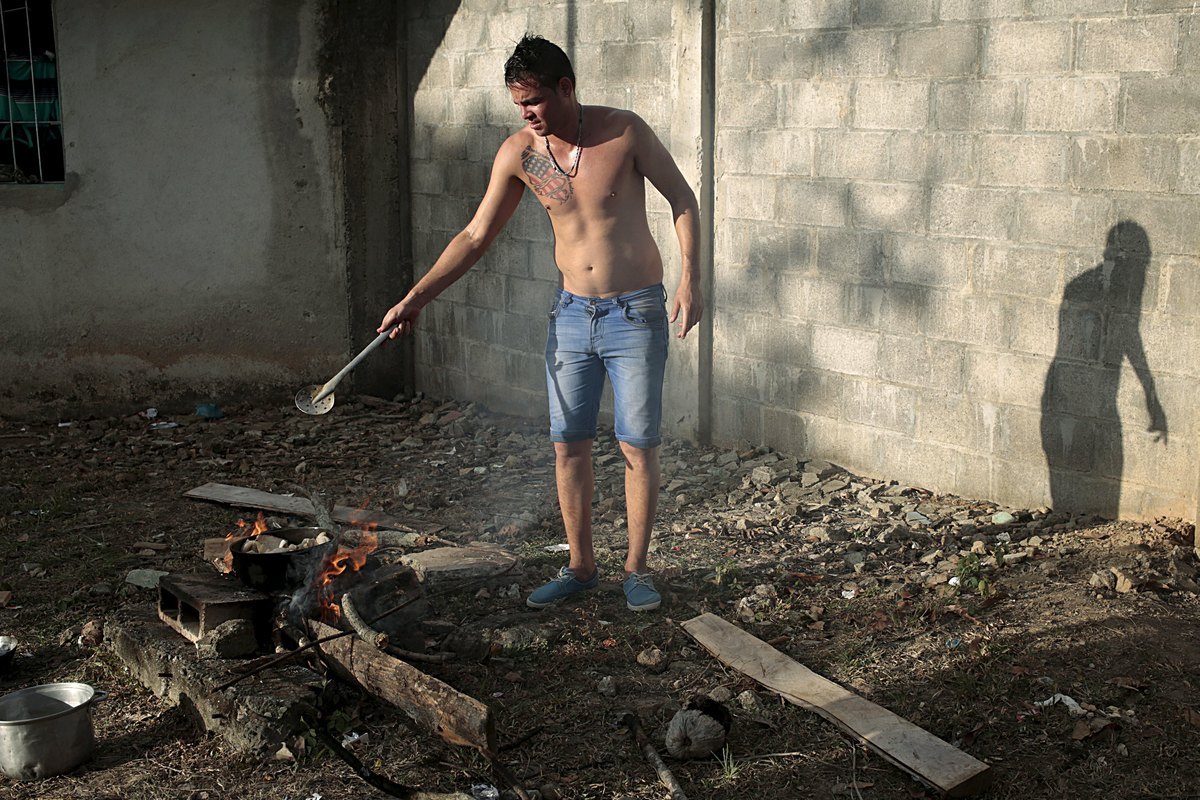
[575, 154]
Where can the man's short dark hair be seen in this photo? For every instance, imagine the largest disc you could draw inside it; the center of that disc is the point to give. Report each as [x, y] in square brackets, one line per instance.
[537, 59]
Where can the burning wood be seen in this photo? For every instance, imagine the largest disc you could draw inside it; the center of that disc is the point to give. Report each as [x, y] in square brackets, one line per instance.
[345, 559]
[245, 531]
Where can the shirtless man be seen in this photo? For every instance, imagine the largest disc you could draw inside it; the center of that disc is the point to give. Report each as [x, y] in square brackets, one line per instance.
[588, 166]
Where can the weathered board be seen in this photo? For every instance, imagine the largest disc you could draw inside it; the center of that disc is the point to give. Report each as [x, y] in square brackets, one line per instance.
[906, 745]
[434, 706]
[242, 497]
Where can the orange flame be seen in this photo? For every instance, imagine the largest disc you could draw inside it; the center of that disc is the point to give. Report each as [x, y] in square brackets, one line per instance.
[344, 559]
[245, 531]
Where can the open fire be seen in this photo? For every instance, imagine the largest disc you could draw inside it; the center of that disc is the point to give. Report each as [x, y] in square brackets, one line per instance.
[346, 558]
[245, 531]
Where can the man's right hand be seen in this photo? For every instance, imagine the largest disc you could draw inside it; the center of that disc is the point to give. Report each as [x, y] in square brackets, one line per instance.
[402, 317]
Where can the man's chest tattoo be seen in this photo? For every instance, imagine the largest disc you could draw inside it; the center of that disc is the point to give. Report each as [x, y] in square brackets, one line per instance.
[544, 179]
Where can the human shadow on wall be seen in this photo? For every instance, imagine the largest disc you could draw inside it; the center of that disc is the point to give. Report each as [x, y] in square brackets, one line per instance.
[1098, 328]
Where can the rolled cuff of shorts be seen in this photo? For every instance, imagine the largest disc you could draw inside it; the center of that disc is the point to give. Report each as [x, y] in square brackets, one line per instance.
[641, 444]
[566, 437]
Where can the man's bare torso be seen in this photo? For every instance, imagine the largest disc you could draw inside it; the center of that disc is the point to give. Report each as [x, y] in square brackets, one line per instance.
[602, 242]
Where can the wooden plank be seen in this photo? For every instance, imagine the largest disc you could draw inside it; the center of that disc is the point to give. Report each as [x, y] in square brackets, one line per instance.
[242, 497]
[906, 745]
[435, 706]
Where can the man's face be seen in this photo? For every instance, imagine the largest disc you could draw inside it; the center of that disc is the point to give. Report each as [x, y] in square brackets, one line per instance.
[544, 109]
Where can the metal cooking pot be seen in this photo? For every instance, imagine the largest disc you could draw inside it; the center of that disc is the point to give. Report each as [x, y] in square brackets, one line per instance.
[46, 730]
[281, 572]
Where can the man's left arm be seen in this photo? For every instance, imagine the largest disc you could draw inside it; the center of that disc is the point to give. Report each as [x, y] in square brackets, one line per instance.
[654, 161]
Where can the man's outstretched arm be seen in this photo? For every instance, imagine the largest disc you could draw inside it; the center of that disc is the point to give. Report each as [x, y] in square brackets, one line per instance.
[654, 161]
[466, 248]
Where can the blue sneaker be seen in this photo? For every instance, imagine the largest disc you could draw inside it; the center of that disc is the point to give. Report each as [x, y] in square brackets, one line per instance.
[565, 585]
[640, 594]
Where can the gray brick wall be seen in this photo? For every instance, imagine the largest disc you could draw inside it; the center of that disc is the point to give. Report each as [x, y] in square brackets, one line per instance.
[912, 201]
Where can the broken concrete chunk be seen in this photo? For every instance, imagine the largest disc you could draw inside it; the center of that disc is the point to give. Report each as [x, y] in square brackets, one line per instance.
[145, 578]
[231, 639]
[653, 659]
[460, 563]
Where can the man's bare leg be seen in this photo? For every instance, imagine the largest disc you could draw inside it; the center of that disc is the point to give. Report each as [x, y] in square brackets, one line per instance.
[575, 478]
[641, 502]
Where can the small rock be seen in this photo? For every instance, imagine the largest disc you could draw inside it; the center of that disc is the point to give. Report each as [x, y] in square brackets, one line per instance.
[722, 694]
[145, 578]
[749, 700]
[607, 686]
[1103, 580]
[653, 659]
[70, 635]
[100, 590]
[1003, 518]
[92, 633]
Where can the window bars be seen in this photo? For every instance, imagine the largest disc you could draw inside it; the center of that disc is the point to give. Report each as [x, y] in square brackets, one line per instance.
[31, 149]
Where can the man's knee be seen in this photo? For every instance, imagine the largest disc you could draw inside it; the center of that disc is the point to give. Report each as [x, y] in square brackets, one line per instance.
[568, 451]
[639, 458]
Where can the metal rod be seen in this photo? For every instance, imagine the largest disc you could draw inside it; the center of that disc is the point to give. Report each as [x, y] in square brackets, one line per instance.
[12, 129]
[37, 131]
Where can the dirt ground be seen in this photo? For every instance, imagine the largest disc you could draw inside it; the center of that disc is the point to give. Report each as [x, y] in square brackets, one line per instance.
[957, 615]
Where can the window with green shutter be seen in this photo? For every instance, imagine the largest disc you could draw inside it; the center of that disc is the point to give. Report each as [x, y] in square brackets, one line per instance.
[31, 141]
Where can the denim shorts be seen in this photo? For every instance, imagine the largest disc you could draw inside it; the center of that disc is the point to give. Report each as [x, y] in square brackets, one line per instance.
[623, 337]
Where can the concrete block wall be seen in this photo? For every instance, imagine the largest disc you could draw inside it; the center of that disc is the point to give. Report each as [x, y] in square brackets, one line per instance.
[483, 340]
[913, 201]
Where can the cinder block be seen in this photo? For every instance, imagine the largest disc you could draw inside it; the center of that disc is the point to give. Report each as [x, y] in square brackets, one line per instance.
[931, 364]
[1075, 8]
[880, 405]
[894, 12]
[806, 390]
[484, 289]
[505, 27]
[944, 51]
[845, 351]
[465, 32]
[1141, 44]
[1072, 104]
[852, 154]
[758, 107]
[922, 261]
[1124, 164]
[816, 104]
[744, 378]
[976, 213]
[810, 299]
[1040, 330]
[976, 106]
[895, 308]
[750, 197]
[807, 202]
[980, 9]
[431, 106]
[1068, 220]
[606, 22]
[755, 15]
[1162, 105]
[816, 14]
[850, 255]
[933, 158]
[1026, 160]
[1008, 378]
[745, 288]
[774, 246]
[954, 419]
[736, 423]
[1189, 45]
[782, 58]
[894, 105]
[1183, 293]
[649, 21]
[1189, 166]
[856, 53]
[888, 207]
[529, 298]
[1025, 271]
[1170, 222]
[1016, 48]
[978, 320]
[635, 63]
[786, 430]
